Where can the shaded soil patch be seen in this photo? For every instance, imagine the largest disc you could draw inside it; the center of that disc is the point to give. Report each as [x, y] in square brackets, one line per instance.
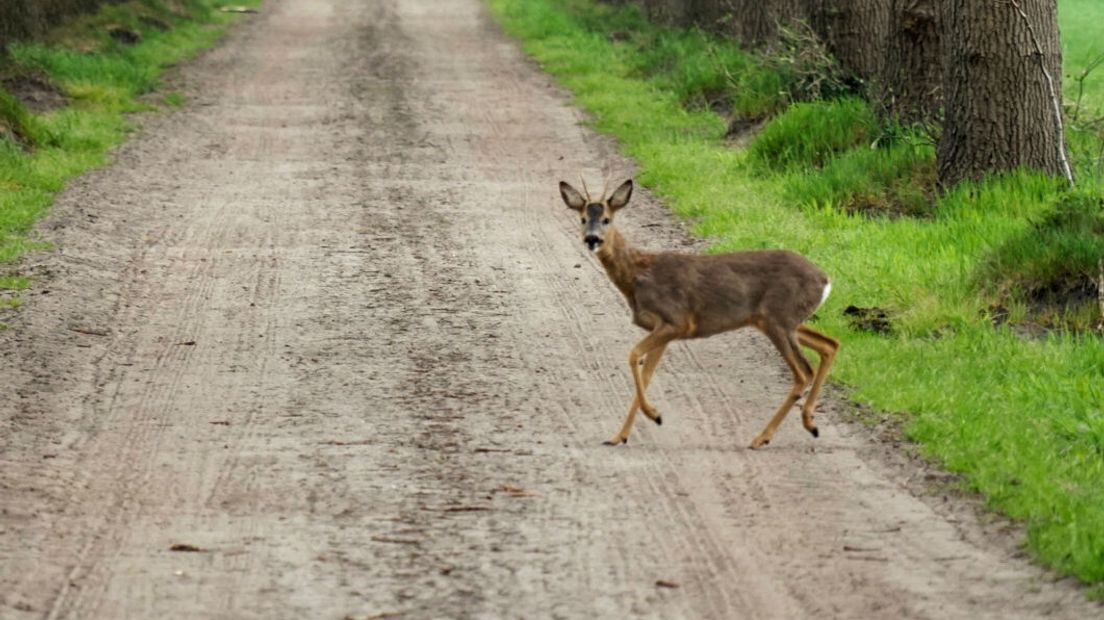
[742, 130]
[1072, 294]
[1054, 271]
[36, 93]
[1074, 305]
[874, 320]
[123, 35]
[881, 206]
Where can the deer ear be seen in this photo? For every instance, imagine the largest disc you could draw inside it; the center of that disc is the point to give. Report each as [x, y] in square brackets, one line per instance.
[621, 195]
[571, 197]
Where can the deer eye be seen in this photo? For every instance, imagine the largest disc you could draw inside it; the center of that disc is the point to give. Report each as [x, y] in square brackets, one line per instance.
[606, 220]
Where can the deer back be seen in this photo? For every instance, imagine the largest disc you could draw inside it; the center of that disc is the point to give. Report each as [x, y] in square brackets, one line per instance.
[717, 293]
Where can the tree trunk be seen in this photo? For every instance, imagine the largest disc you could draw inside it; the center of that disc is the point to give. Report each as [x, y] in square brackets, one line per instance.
[1000, 112]
[751, 22]
[854, 31]
[911, 85]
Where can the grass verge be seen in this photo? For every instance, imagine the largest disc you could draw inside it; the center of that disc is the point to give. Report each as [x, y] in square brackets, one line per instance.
[1021, 418]
[102, 63]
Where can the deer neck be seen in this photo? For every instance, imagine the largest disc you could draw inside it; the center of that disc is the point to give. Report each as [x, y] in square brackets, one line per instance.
[623, 262]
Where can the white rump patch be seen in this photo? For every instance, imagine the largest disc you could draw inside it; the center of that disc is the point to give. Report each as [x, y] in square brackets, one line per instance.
[824, 295]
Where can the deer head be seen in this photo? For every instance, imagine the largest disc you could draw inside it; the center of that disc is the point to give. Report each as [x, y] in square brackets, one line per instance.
[596, 216]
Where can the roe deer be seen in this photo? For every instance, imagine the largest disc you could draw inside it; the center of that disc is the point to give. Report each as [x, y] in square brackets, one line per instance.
[681, 296]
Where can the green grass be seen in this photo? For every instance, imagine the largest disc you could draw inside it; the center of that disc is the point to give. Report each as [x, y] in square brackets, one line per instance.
[894, 179]
[1082, 43]
[103, 79]
[810, 134]
[1021, 418]
[17, 124]
[1083, 51]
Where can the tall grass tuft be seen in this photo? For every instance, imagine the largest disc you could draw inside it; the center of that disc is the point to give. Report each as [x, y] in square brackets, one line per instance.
[809, 134]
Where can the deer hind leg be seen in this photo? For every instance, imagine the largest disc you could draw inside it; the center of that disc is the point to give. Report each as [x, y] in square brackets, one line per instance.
[650, 349]
[786, 343]
[826, 347]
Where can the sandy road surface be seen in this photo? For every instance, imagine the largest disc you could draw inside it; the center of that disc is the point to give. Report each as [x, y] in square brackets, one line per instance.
[330, 326]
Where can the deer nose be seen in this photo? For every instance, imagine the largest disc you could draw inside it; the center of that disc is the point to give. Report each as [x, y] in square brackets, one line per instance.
[592, 242]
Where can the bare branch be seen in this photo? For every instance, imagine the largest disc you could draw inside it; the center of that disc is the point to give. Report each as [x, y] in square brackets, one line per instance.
[1080, 79]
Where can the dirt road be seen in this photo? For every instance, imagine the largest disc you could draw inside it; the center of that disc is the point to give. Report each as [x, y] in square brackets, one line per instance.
[325, 344]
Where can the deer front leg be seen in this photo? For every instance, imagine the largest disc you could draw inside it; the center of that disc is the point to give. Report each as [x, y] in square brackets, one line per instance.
[651, 360]
[650, 349]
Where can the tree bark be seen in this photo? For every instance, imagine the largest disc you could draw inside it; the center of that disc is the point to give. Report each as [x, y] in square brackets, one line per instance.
[911, 85]
[1000, 112]
[854, 31]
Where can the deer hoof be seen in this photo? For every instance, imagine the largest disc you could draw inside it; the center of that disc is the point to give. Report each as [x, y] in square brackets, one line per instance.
[759, 443]
[815, 431]
[616, 441]
[659, 420]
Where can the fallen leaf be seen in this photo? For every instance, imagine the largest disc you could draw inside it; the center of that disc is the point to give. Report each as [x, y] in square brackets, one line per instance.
[516, 491]
[186, 548]
[663, 583]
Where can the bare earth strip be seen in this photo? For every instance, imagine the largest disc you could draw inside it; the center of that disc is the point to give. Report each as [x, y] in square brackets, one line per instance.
[326, 344]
